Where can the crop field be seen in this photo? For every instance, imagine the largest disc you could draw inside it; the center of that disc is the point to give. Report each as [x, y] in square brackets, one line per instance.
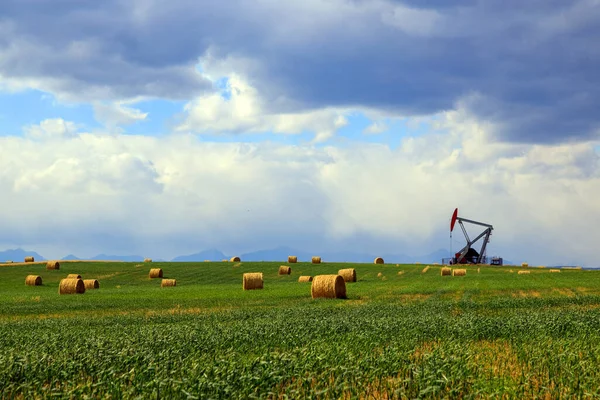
[404, 334]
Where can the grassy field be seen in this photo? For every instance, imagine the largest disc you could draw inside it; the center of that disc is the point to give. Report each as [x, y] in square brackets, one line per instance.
[410, 335]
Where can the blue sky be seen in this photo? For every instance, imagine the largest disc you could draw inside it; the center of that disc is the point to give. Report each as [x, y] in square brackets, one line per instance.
[147, 124]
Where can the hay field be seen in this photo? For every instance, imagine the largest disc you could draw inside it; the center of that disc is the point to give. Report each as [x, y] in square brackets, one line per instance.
[413, 335]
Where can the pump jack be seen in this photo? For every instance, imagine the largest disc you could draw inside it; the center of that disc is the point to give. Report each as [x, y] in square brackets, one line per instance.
[468, 255]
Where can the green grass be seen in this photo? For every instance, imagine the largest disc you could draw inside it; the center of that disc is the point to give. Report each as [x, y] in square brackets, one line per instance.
[488, 334]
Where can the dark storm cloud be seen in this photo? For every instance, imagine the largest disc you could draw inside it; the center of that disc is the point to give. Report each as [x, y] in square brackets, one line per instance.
[528, 67]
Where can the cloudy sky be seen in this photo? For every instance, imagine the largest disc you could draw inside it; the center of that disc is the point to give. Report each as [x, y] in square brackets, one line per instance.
[165, 128]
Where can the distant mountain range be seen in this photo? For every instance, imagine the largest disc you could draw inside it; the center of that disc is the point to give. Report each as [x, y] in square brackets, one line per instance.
[277, 254]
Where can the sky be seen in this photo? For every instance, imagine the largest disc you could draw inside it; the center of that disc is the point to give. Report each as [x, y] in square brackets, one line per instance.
[166, 128]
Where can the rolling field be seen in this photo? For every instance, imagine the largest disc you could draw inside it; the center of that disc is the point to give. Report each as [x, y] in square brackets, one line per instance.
[493, 334]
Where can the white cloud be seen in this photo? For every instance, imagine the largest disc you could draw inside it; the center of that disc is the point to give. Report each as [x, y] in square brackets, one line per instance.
[164, 196]
[240, 109]
[55, 128]
[376, 127]
[113, 115]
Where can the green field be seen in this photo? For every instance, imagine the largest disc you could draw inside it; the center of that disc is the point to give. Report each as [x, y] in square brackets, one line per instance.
[492, 334]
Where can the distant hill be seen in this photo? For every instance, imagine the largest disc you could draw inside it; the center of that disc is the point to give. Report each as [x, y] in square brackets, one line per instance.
[18, 255]
[117, 258]
[212, 255]
[70, 257]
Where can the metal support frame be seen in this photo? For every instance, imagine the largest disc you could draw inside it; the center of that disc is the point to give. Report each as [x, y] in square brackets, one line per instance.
[486, 233]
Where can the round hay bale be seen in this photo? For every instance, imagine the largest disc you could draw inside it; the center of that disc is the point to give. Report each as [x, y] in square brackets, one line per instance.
[524, 264]
[446, 271]
[292, 259]
[379, 275]
[305, 278]
[91, 284]
[285, 270]
[168, 283]
[33, 280]
[147, 260]
[400, 272]
[71, 286]
[459, 272]
[8, 262]
[554, 270]
[73, 276]
[523, 272]
[378, 260]
[156, 273]
[349, 274]
[52, 265]
[316, 260]
[328, 286]
[252, 280]
[29, 259]
[235, 259]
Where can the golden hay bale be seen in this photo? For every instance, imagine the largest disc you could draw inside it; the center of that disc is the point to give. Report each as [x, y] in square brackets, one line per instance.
[459, 272]
[378, 260]
[349, 274]
[478, 270]
[52, 265]
[91, 284]
[252, 280]
[400, 272]
[436, 263]
[292, 259]
[73, 276]
[71, 286]
[523, 272]
[554, 270]
[379, 275]
[147, 260]
[33, 280]
[524, 264]
[446, 271]
[235, 259]
[425, 269]
[206, 260]
[168, 283]
[8, 262]
[285, 270]
[305, 278]
[316, 260]
[156, 273]
[29, 259]
[328, 286]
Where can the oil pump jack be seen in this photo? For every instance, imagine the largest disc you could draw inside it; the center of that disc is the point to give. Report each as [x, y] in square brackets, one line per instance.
[468, 255]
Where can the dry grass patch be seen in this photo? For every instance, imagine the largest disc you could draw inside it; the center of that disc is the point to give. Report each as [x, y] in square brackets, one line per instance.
[425, 269]
[495, 358]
